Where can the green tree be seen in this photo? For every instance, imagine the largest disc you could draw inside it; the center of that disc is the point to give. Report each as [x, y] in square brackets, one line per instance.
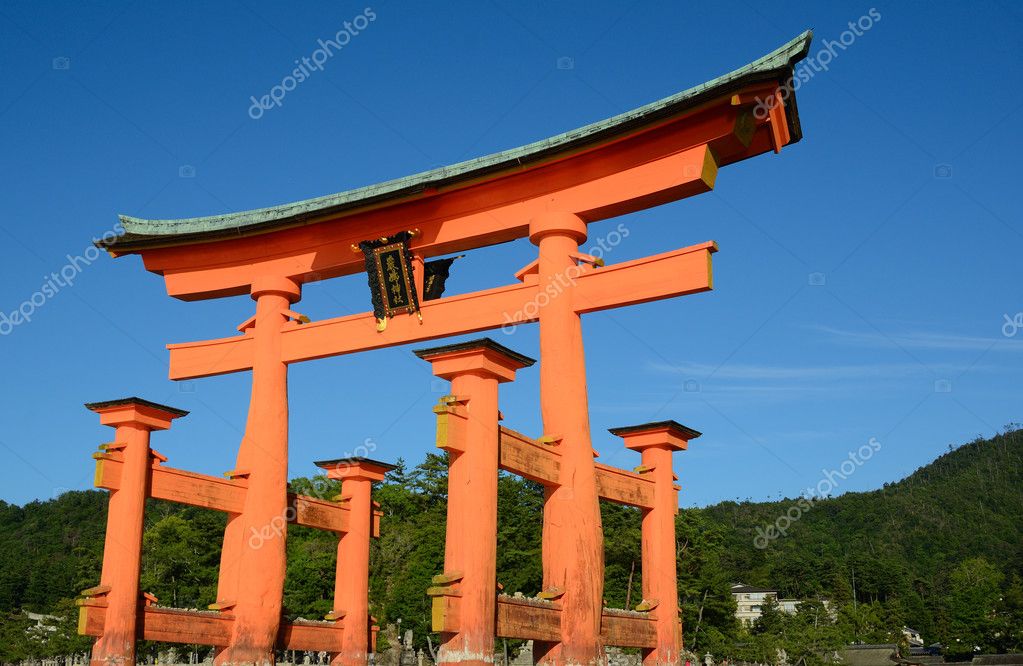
[177, 566]
[63, 639]
[704, 582]
[974, 598]
[16, 637]
[1009, 620]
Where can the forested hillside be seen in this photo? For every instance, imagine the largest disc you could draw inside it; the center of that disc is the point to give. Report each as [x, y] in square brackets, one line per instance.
[941, 551]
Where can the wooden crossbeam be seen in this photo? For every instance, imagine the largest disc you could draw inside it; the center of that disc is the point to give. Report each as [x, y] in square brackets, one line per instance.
[530, 459]
[165, 624]
[617, 285]
[527, 458]
[176, 485]
[532, 619]
[228, 495]
[628, 629]
[518, 618]
[174, 625]
[623, 487]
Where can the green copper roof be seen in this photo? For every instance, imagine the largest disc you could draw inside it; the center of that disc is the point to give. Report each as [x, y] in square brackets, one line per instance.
[775, 66]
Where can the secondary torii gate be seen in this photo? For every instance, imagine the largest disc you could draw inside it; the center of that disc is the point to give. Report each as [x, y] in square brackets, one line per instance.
[549, 191]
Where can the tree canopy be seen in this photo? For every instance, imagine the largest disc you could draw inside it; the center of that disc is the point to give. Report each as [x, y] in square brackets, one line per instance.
[940, 551]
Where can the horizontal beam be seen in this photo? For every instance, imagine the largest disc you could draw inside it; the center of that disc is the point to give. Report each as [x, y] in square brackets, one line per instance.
[684, 271]
[227, 495]
[176, 485]
[628, 629]
[531, 619]
[541, 463]
[671, 159]
[484, 215]
[527, 619]
[525, 457]
[623, 487]
[164, 624]
[172, 625]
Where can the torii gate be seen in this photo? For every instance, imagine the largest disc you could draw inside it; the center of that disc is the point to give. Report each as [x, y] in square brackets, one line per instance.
[548, 191]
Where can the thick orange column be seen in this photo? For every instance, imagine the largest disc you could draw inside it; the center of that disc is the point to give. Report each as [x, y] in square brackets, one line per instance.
[475, 369]
[351, 577]
[573, 551]
[133, 419]
[253, 560]
[656, 442]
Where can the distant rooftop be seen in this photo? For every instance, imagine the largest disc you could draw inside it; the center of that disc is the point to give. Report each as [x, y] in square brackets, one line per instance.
[749, 589]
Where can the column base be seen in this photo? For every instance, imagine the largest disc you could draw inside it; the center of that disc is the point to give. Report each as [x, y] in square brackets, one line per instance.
[660, 657]
[463, 658]
[244, 656]
[350, 659]
[552, 654]
[108, 651]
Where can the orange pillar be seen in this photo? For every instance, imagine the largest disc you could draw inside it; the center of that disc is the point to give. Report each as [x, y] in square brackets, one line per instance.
[656, 442]
[475, 369]
[351, 577]
[573, 550]
[253, 560]
[133, 419]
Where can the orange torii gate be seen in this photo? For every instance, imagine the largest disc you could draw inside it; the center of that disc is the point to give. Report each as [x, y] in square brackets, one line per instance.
[466, 609]
[548, 191]
[117, 613]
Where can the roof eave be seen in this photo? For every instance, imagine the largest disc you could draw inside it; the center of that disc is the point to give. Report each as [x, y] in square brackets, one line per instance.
[213, 228]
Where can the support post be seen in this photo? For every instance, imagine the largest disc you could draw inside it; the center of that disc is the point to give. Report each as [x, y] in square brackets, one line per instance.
[474, 369]
[253, 563]
[573, 551]
[133, 419]
[351, 578]
[656, 442]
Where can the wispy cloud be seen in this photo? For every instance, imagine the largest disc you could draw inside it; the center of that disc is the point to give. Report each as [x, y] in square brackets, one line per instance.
[761, 372]
[748, 383]
[924, 340]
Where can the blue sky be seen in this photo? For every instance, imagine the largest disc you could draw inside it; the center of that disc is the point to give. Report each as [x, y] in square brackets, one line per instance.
[863, 288]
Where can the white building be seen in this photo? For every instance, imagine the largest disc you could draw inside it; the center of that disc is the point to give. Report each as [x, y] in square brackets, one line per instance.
[749, 602]
[912, 637]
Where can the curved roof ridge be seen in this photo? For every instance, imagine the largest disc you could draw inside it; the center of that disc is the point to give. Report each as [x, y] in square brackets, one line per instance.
[777, 62]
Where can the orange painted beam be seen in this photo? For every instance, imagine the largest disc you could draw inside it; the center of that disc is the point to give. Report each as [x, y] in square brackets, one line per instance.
[485, 215]
[308, 635]
[683, 271]
[628, 629]
[665, 161]
[532, 619]
[175, 485]
[528, 458]
[163, 624]
[174, 625]
[532, 460]
[623, 487]
[227, 495]
[517, 618]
